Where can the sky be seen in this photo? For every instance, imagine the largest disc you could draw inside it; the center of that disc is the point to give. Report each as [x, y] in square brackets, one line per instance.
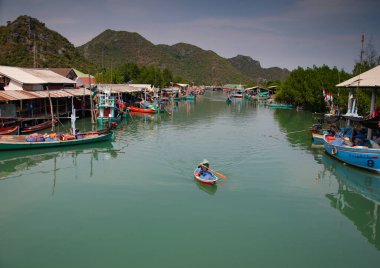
[286, 34]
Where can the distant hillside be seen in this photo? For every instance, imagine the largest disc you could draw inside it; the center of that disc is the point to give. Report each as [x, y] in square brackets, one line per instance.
[185, 60]
[27, 41]
[252, 68]
[18, 40]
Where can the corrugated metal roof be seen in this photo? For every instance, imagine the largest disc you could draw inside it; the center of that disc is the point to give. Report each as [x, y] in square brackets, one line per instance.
[49, 76]
[19, 75]
[34, 76]
[14, 95]
[18, 95]
[61, 71]
[370, 78]
[53, 94]
[120, 88]
[77, 92]
[5, 97]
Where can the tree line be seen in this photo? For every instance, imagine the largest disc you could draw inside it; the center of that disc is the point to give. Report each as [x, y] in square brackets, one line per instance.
[304, 87]
[132, 73]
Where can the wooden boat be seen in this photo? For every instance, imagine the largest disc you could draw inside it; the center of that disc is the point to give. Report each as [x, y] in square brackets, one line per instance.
[34, 141]
[108, 108]
[189, 97]
[8, 130]
[43, 125]
[206, 177]
[317, 138]
[141, 110]
[280, 106]
[366, 157]
[238, 94]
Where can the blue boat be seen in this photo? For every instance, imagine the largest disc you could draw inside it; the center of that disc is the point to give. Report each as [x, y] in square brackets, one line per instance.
[205, 177]
[366, 157]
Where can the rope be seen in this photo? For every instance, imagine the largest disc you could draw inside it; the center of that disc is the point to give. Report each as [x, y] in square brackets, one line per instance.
[297, 131]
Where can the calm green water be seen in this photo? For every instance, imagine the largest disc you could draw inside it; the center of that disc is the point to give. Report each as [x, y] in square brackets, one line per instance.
[134, 203]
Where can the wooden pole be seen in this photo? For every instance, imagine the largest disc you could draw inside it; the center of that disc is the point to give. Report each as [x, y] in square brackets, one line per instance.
[51, 110]
[91, 103]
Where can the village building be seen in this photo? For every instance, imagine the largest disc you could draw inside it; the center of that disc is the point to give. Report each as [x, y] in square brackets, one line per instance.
[27, 93]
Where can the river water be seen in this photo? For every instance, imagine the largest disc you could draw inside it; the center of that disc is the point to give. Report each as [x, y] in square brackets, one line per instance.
[134, 202]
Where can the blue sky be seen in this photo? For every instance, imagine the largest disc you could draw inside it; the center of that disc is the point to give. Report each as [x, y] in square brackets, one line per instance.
[287, 34]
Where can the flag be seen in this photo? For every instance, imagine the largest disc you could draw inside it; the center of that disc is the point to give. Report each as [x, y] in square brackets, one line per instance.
[94, 91]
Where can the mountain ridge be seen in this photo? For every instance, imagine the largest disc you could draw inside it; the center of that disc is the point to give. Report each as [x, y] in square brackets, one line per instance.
[110, 48]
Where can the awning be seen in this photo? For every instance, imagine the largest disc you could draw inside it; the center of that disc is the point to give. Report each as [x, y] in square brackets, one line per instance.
[14, 95]
[368, 79]
[53, 94]
[120, 88]
[77, 92]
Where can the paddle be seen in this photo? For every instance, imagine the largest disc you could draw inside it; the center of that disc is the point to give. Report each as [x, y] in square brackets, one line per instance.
[216, 172]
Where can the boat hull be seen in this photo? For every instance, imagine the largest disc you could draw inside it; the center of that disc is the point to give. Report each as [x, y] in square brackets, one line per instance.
[280, 106]
[140, 110]
[9, 130]
[41, 126]
[20, 143]
[208, 177]
[359, 156]
[317, 138]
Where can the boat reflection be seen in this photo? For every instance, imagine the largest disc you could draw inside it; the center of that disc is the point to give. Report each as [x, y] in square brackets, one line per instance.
[16, 161]
[358, 198]
[210, 189]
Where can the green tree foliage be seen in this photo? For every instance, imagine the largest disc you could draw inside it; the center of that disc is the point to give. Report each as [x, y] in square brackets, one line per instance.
[132, 73]
[304, 87]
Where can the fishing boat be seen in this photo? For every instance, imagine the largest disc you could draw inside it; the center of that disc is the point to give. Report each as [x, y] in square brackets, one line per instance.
[9, 130]
[205, 177]
[142, 110]
[367, 157]
[37, 127]
[34, 141]
[189, 97]
[238, 94]
[280, 106]
[107, 109]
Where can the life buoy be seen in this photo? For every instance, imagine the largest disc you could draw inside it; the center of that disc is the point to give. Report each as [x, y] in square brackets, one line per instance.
[334, 150]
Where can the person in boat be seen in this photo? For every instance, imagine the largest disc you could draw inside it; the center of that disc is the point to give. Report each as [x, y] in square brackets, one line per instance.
[360, 137]
[204, 166]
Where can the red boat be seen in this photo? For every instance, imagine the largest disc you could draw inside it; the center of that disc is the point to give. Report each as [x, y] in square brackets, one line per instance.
[140, 110]
[44, 125]
[8, 130]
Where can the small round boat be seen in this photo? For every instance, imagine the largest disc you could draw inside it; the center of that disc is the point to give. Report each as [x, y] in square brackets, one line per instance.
[206, 177]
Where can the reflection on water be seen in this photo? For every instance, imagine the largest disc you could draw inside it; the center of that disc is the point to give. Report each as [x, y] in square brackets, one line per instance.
[295, 125]
[358, 198]
[210, 189]
[16, 161]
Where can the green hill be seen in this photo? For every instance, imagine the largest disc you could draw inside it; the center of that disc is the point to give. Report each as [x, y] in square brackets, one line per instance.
[252, 68]
[185, 60]
[27, 42]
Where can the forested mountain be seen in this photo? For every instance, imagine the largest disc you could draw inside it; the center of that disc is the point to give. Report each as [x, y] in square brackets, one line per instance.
[187, 61]
[252, 68]
[27, 42]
